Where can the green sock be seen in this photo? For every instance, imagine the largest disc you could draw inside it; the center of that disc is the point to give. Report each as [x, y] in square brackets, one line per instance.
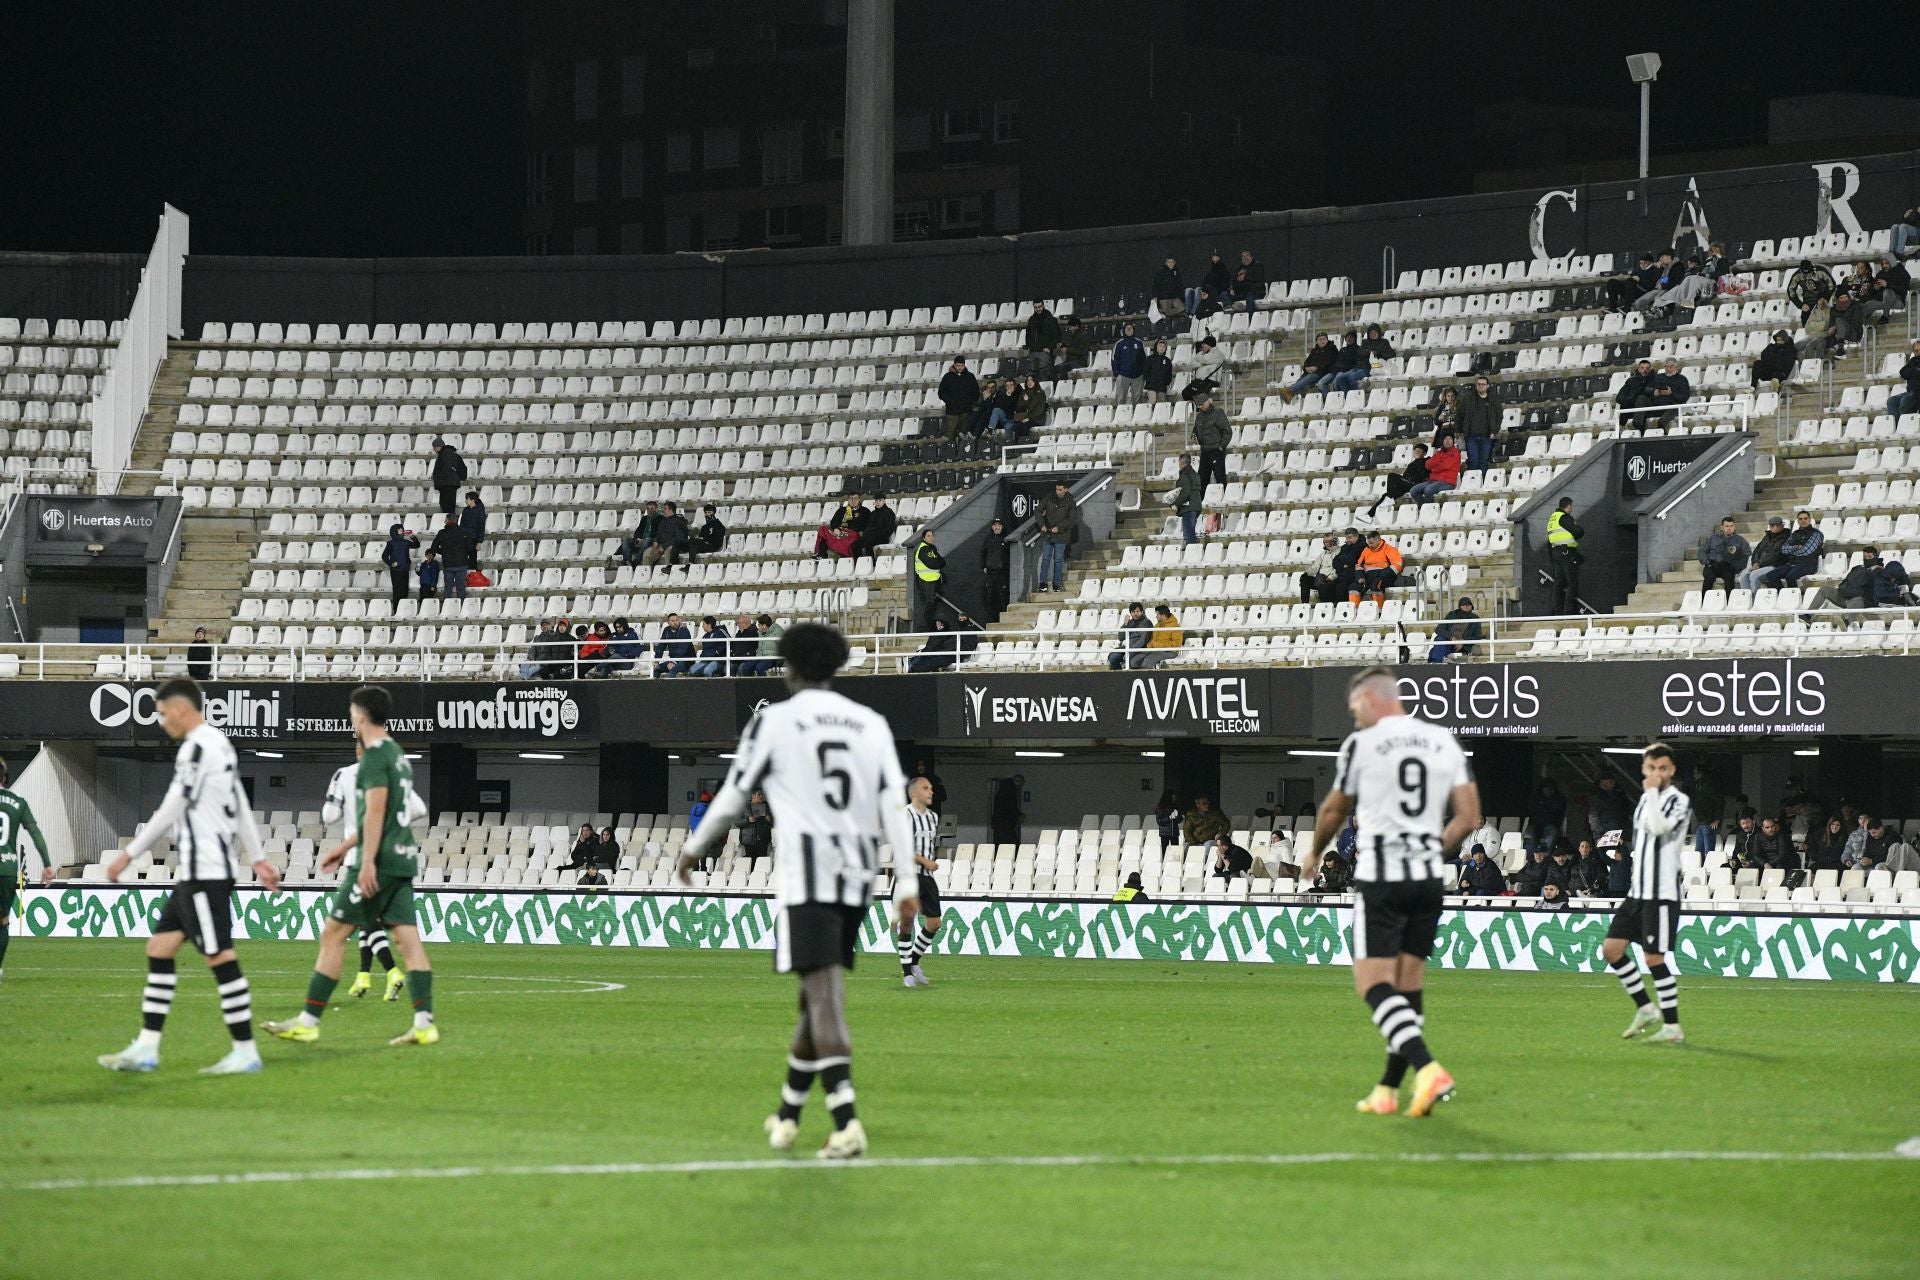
[420, 987]
[5, 937]
[319, 991]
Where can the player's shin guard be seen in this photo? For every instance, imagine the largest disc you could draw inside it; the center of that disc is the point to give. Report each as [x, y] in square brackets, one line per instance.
[236, 1001]
[1396, 1065]
[793, 1094]
[1629, 974]
[836, 1079]
[157, 1001]
[1667, 988]
[1399, 1023]
[922, 942]
[420, 989]
[319, 992]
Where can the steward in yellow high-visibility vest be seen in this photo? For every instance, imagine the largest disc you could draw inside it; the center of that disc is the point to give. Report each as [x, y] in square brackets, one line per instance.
[1563, 550]
[928, 570]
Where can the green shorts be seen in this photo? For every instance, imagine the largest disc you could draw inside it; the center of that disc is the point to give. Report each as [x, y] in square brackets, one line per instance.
[391, 903]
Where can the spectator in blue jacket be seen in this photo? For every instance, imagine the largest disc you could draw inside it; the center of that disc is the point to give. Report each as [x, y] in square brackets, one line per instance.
[1800, 553]
[429, 577]
[623, 650]
[673, 654]
[473, 523]
[713, 649]
[1129, 368]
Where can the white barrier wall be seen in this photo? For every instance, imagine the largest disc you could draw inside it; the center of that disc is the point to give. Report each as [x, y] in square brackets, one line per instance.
[122, 401]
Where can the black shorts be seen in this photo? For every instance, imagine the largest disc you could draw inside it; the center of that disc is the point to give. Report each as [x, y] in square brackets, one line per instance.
[1651, 922]
[203, 910]
[1396, 918]
[929, 895]
[816, 935]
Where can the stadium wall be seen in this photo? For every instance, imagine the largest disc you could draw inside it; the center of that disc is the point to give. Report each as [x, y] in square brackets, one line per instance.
[1822, 947]
[1842, 194]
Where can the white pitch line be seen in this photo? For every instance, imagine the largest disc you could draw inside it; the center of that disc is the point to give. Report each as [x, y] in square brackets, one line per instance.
[1906, 1151]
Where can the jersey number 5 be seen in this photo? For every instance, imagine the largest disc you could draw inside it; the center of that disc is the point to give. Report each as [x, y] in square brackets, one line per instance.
[1413, 781]
[835, 779]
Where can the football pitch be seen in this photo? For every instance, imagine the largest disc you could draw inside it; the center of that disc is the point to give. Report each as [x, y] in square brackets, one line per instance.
[597, 1113]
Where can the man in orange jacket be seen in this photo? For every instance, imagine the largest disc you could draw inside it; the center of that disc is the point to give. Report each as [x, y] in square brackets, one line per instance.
[1377, 568]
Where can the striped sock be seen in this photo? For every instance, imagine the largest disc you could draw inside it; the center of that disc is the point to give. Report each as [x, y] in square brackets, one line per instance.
[236, 1001]
[1629, 974]
[922, 942]
[1396, 1065]
[904, 947]
[375, 944]
[793, 1094]
[1398, 1022]
[836, 1080]
[157, 1001]
[1667, 988]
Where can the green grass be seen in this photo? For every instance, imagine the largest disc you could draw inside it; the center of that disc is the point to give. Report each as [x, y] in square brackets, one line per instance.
[1000, 1057]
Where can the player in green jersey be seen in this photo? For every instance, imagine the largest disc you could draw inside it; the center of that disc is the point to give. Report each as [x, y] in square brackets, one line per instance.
[379, 888]
[15, 817]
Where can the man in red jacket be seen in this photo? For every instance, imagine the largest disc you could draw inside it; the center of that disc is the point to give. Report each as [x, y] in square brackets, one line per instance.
[1443, 472]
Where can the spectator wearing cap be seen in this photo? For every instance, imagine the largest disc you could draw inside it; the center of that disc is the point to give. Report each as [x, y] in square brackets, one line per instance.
[995, 556]
[1479, 876]
[1443, 473]
[1129, 367]
[1723, 554]
[1455, 637]
[959, 392]
[200, 656]
[449, 473]
[1808, 285]
[397, 555]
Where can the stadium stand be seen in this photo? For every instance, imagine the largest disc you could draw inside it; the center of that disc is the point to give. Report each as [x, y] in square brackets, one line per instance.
[49, 374]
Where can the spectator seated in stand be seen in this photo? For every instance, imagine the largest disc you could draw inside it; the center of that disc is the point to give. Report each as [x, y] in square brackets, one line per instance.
[623, 650]
[1531, 878]
[1320, 581]
[840, 535]
[1076, 349]
[1320, 361]
[1624, 289]
[1209, 371]
[1870, 584]
[883, 523]
[766, 657]
[1764, 566]
[1666, 390]
[1553, 896]
[1204, 823]
[1164, 644]
[744, 649]
[534, 663]
[1374, 347]
[1776, 362]
[1351, 358]
[1800, 553]
[1158, 378]
[1903, 239]
[1666, 275]
[938, 652]
[1808, 284]
[1723, 554]
[1479, 876]
[634, 546]
[1169, 293]
[1907, 401]
[1213, 286]
[1249, 281]
[669, 538]
[673, 653]
[1029, 410]
[1229, 859]
[713, 649]
[1134, 634]
[1376, 569]
[586, 850]
[595, 649]
[1690, 291]
[1443, 473]
[1453, 640]
[710, 537]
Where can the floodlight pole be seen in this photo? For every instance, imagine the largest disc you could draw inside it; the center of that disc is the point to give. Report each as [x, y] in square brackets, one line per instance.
[1646, 115]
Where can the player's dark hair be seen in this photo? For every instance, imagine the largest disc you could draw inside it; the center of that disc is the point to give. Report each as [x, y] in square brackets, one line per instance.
[1658, 751]
[813, 651]
[375, 703]
[180, 687]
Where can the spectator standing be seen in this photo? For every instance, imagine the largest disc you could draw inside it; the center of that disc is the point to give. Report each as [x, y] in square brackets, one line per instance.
[959, 392]
[1809, 285]
[449, 473]
[1399, 486]
[1249, 281]
[1189, 492]
[1446, 415]
[1608, 810]
[713, 649]
[1723, 554]
[1375, 569]
[1321, 358]
[473, 523]
[1059, 524]
[429, 577]
[669, 539]
[635, 546]
[1158, 378]
[1776, 362]
[1076, 349]
[1320, 580]
[1456, 637]
[1479, 423]
[1214, 435]
[1548, 818]
[929, 568]
[883, 522]
[200, 656]
[397, 555]
[1443, 473]
[1563, 550]
[1907, 401]
[1167, 816]
[1800, 553]
[1007, 814]
[745, 646]
[709, 537]
[756, 827]
[1166, 639]
[1764, 565]
[673, 653]
[1129, 367]
[1619, 864]
[1134, 633]
[1204, 824]
[455, 553]
[1043, 334]
[995, 558]
[1216, 283]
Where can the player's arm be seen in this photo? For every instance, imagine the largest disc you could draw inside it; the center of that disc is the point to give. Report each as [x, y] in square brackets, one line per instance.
[32, 828]
[731, 801]
[250, 844]
[370, 827]
[338, 854]
[1466, 817]
[1334, 811]
[158, 826]
[899, 832]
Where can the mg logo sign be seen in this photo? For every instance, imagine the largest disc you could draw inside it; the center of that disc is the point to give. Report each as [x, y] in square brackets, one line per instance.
[1637, 467]
[54, 519]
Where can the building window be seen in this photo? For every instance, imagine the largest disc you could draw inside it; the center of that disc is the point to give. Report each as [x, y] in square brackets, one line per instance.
[783, 225]
[910, 219]
[1006, 209]
[721, 231]
[960, 213]
[633, 84]
[679, 152]
[698, 58]
[912, 133]
[837, 142]
[720, 148]
[539, 245]
[1006, 120]
[961, 124]
[586, 240]
[539, 178]
[780, 156]
[586, 90]
[633, 237]
[586, 174]
[633, 169]
[679, 233]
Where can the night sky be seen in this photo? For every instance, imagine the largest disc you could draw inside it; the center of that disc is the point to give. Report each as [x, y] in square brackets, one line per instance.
[394, 128]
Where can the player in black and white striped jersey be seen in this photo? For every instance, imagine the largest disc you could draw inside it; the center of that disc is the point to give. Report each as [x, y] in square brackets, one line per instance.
[914, 943]
[1402, 775]
[1650, 914]
[207, 813]
[832, 777]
